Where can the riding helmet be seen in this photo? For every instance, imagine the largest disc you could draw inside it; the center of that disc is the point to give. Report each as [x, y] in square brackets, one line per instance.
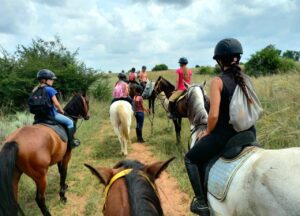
[122, 76]
[46, 74]
[228, 46]
[183, 60]
[144, 67]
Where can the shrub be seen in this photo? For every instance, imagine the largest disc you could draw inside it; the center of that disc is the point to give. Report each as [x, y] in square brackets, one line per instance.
[160, 67]
[208, 70]
[102, 91]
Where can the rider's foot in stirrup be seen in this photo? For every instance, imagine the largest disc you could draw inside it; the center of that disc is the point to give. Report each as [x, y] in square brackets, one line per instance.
[76, 143]
[198, 206]
[171, 116]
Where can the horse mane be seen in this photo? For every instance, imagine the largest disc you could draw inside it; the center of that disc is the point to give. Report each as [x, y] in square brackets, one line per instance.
[74, 106]
[142, 196]
[167, 81]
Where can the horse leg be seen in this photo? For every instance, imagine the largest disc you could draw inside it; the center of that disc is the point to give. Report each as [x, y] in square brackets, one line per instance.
[177, 125]
[63, 168]
[41, 184]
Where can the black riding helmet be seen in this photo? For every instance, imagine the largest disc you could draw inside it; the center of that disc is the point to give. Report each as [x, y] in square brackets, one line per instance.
[228, 47]
[121, 76]
[45, 74]
[183, 60]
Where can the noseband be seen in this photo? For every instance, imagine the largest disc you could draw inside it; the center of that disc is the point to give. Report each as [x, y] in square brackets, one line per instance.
[122, 174]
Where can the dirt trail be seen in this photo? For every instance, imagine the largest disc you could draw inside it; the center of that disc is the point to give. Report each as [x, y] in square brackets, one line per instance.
[174, 201]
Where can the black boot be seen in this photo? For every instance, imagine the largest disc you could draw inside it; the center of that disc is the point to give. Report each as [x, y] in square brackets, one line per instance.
[139, 135]
[172, 108]
[72, 142]
[198, 205]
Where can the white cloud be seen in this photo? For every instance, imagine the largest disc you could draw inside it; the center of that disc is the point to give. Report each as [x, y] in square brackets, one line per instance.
[120, 34]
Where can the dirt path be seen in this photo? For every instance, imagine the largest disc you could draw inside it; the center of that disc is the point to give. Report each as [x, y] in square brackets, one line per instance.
[174, 201]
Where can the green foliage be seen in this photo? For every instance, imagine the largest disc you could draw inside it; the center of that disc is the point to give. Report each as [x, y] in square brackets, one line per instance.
[18, 71]
[160, 67]
[294, 55]
[208, 70]
[101, 90]
[268, 61]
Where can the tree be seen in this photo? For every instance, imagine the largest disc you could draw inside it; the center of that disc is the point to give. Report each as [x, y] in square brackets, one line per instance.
[295, 55]
[160, 67]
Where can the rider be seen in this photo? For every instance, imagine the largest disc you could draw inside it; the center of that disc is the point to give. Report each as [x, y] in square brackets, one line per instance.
[121, 90]
[143, 77]
[132, 76]
[46, 78]
[183, 75]
[227, 54]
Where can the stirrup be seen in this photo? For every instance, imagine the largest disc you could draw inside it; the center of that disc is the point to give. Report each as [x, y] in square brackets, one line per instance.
[199, 207]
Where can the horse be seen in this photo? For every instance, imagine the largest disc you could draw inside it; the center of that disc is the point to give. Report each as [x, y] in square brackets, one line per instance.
[120, 116]
[130, 189]
[147, 93]
[183, 107]
[247, 179]
[31, 150]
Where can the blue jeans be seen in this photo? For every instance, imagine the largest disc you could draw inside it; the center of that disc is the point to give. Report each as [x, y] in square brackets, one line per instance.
[64, 120]
[139, 120]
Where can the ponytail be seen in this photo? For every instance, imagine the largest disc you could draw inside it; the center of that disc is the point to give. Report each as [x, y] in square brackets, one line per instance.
[185, 73]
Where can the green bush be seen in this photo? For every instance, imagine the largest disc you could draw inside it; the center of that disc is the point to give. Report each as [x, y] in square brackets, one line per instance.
[208, 70]
[101, 90]
[160, 67]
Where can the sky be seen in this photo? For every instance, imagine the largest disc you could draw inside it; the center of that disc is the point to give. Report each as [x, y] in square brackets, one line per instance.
[115, 35]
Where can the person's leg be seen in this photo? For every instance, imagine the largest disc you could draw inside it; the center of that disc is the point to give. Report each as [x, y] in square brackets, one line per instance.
[140, 122]
[172, 104]
[203, 150]
[70, 129]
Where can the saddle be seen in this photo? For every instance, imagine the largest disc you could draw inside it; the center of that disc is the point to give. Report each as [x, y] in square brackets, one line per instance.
[54, 125]
[233, 151]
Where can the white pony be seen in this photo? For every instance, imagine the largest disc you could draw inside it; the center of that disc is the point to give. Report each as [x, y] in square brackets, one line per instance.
[266, 183]
[120, 117]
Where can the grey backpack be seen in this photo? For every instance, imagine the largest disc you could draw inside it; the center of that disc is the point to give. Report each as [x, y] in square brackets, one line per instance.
[244, 114]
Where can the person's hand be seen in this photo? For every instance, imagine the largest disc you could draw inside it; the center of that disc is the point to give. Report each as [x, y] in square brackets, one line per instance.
[201, 134]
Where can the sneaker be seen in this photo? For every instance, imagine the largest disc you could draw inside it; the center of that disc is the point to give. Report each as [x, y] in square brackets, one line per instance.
[199, 207]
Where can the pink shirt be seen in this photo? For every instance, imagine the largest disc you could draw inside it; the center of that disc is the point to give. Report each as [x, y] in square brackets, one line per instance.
[180, 83]
[120, 89]
[138, 102]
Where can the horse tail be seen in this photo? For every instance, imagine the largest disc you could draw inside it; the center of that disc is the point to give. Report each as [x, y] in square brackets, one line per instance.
[122, 116]
[8, 157]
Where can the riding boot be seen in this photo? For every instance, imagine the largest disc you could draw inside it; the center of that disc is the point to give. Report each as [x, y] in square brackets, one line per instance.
[198, 205]
[72, 142]
[140, 138]
[172, 107]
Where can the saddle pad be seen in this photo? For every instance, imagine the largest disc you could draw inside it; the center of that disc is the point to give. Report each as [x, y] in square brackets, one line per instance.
[182, 96]
[59, 130]
[223, 171]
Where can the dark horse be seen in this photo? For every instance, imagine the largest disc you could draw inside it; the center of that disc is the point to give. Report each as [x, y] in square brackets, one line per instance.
[182, 106]
[148, 93]
[130, 189]
[31, 150]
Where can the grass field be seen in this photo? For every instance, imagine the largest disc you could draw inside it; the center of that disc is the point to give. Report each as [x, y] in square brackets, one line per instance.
[278, 128]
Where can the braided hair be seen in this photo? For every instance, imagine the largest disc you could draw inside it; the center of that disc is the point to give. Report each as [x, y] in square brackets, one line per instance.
[232, 62]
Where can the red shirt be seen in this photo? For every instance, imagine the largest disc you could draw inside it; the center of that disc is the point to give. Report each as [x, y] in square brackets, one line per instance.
[180, 84]
[138, 102]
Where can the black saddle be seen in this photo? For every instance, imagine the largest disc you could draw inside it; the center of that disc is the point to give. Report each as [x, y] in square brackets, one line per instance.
[54, 125]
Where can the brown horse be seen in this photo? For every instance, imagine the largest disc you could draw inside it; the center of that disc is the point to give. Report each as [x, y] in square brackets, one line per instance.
[130, 189]
[31, 150]
[182, 106]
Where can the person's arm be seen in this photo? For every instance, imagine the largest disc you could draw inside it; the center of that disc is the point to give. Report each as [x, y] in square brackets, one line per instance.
[57, 104]
[126, 89]
[144, 108]
[215, 99]
[177, 80]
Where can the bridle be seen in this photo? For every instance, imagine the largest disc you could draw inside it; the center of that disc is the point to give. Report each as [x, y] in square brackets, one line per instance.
[122, 174]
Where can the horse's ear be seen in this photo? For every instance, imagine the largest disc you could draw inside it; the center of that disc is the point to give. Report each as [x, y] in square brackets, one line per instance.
[154, 170]
[104, 174]
[186, 84]
[203, 84]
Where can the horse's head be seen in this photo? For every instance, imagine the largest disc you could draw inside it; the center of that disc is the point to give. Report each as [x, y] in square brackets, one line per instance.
[163, 85]
[134, 179]
[78, 107]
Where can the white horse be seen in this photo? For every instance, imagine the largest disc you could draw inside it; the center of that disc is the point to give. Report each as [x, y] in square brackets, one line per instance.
[266, 183]
[120, 117]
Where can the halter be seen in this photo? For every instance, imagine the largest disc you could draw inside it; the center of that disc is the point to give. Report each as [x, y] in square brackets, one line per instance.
[122, 174]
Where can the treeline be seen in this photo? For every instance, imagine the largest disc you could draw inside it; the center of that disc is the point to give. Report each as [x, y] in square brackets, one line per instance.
[18, 71]
[267, 61]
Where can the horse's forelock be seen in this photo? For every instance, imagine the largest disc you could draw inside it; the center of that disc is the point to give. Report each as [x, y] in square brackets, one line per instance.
[127, 164]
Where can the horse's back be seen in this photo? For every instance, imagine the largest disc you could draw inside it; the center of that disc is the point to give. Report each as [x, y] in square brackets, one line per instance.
[266, 184]
[38, 143]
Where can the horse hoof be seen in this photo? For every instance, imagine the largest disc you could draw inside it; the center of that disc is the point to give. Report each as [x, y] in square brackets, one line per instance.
[63, 199]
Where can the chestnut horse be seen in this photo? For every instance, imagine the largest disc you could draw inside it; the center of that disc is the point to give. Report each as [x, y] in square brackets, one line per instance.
[130, 189]
[183, 105]
[31, 150]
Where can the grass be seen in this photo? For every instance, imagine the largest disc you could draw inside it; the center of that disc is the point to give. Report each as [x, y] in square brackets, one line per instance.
[278, 128]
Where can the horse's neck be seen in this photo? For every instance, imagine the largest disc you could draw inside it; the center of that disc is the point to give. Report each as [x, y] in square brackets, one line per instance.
[196, 110]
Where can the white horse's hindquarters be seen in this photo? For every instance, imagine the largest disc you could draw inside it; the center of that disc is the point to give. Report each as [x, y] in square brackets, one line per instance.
[267, 184]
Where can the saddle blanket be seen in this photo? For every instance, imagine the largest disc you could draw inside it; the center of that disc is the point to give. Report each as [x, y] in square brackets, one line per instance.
[59, 130]
[223, 171]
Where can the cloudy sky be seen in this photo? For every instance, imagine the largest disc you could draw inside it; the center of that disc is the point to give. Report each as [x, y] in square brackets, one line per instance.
[120, 34]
